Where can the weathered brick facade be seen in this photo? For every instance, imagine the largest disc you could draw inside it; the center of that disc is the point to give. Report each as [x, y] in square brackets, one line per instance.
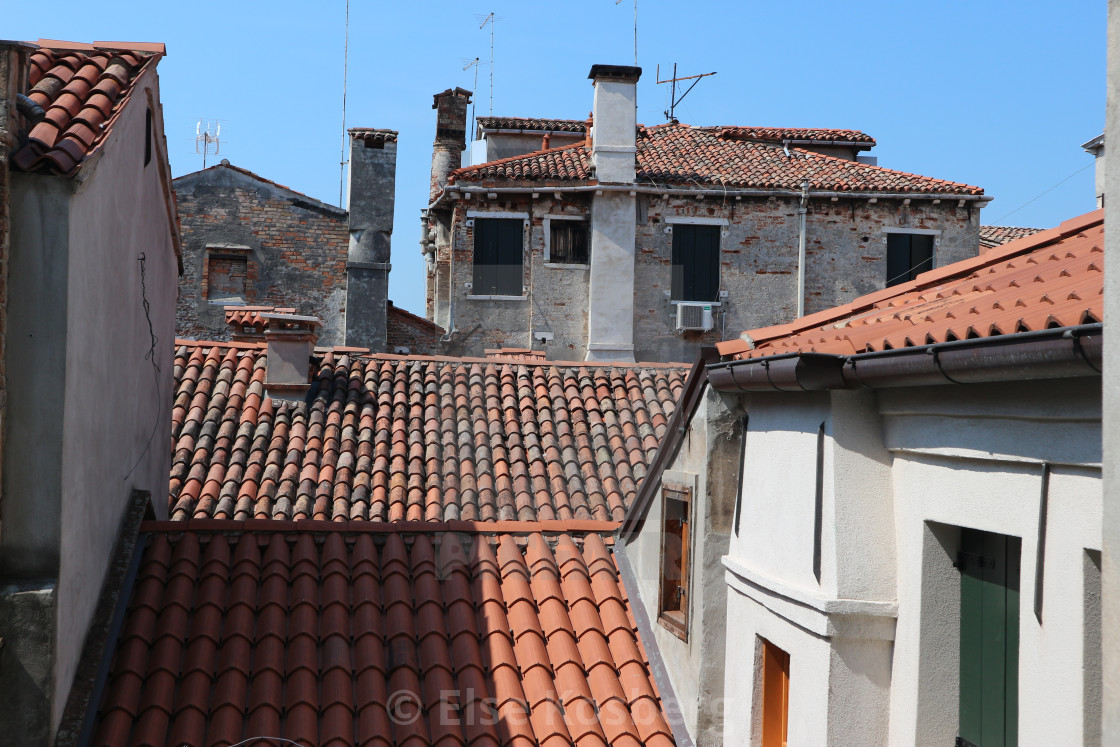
[412, 335]
[246, 236]
[845, 258]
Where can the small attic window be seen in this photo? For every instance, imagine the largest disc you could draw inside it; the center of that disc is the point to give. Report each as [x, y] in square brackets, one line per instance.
[148, 138]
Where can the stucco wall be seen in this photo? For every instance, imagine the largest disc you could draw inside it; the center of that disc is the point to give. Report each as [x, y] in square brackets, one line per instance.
[846, 258]
[94, 406]
[708, 463]
[296, 256]
[873, 646]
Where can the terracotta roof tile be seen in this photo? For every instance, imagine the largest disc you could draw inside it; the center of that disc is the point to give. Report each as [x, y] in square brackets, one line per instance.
[81, 89]
[991, 236]
[718, 157]
[1051, 278]
[341, 637]
[385, 438]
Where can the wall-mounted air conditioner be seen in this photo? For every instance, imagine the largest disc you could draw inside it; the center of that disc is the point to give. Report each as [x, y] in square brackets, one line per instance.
[694, 316]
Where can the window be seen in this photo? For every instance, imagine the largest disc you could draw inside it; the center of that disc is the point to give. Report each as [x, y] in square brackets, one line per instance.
[908, 255]
[989, 646]
[568, 242]
[775, 695]
[498, 246]
[675, 523]
[148, 138]
[695, 262]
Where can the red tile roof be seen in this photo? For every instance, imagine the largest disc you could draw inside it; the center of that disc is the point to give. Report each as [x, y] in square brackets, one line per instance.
[795, 134]
[707, 157]
[339, 636]
[388, 438]
[1053, 278]
[997, 235]
[532, 124]
[82, 89]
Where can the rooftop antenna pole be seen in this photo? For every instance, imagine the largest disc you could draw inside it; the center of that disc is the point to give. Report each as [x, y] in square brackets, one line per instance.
[670, 113]
[473, 63]
[490, 18]
[616, 2]
[345, 68]
[204, 140]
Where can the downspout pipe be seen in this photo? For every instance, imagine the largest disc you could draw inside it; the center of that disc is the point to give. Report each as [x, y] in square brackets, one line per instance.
[802, 209]
[1046, 354]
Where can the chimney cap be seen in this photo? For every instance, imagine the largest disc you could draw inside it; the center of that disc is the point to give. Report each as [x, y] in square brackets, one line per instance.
[618, 72]
[462, 92]
[294, 319]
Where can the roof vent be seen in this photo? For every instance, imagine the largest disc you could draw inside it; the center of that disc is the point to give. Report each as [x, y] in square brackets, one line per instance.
[291, 340]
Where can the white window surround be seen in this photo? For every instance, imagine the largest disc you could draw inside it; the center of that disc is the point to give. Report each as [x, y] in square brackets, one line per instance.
[547, 228]
[496, 298]
[495, 214]
[699, 221]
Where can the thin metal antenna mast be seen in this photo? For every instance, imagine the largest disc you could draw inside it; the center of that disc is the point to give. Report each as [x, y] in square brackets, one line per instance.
[206, 142]
[490, 18]
[473, 63]
[670, 113]
[345, 69]
[616, 2]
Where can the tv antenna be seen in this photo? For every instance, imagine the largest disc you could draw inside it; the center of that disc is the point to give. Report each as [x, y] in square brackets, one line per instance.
[616, 2]
[475, 63]
[490, 18]
[670, 113]
[207, 138]
[345, 63]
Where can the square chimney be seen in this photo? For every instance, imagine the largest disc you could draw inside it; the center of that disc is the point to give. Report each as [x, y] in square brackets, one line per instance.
[615, 122]
[291, 340]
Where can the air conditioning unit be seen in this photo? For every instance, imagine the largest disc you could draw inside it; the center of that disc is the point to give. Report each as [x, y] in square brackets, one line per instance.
[694, 316]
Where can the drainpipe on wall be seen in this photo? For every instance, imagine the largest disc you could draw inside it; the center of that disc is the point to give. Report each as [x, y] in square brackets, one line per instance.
[801, 211]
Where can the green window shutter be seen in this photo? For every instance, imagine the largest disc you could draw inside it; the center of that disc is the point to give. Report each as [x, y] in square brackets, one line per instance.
[498, 247]
[695, 262]
[989, 639]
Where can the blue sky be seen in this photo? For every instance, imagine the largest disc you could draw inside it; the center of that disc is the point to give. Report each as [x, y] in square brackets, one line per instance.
[996, 94]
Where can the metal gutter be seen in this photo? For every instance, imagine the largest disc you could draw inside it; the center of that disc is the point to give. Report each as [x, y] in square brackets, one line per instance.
[669, 703]
[667, 189]
[1044, 354]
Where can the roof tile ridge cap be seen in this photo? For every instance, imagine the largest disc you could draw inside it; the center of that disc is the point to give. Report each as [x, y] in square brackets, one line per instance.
[860, 166]
[509, 159]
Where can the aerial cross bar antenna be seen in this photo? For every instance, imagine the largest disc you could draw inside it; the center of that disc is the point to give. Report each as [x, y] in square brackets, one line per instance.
[673, 100]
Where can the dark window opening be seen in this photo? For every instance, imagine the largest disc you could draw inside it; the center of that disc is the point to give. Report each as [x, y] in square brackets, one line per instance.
[908, 255]
[695, 262]
[498, 246]
[989, 647]
[675, 522]
[568, 242]
[148, 139]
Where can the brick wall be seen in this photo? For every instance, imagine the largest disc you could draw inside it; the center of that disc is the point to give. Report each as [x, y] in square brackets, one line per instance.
[292, 246]
[418, 335]
[845, 253]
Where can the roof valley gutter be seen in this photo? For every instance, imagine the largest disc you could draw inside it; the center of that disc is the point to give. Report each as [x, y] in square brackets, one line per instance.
[1045, 354]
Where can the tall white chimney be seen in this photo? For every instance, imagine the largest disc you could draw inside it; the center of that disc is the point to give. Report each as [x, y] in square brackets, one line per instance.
[610, 312]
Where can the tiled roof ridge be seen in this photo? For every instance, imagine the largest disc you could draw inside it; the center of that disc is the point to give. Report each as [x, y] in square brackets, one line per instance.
[835, 134]
[359, 526]
[364, 354]
[879, 302]
[510, 159]
[577, 125]
[224, 164]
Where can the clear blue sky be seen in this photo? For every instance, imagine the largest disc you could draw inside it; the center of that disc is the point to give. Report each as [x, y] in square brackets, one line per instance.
[992, 93]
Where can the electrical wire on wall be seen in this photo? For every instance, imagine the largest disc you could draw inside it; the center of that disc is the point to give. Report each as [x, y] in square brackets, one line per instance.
[149, 356]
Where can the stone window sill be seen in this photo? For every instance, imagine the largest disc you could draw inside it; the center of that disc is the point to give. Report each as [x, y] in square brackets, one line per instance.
[496, 298]
[558, 266]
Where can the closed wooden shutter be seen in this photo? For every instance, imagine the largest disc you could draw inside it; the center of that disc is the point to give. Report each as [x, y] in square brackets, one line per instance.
[989, 648]
[498, 248]
[908, 255]
[695, 262]
[775, 695]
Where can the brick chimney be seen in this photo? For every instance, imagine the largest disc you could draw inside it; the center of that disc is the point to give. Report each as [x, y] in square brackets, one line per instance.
[451, 134]
[610, 303]
[371, 192]
[291, 340]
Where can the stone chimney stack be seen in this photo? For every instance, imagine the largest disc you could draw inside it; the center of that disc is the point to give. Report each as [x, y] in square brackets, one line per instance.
[610, 308]
[614, 119]
[291, 340]
[370, 196]
[451, 134]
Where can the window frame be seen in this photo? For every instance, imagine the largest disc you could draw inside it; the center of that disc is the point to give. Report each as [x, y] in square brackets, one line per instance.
[547, 229]
[493, 291]
[774, 694]
[228, 252]
[673, 614]
[677, 294]
[934, 238]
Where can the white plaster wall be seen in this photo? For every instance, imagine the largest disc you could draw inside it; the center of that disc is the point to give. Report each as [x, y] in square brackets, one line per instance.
[610, 310]
[117, 413]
